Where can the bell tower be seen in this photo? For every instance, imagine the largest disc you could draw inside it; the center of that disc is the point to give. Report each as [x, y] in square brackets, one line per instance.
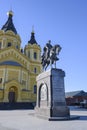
[33, 51]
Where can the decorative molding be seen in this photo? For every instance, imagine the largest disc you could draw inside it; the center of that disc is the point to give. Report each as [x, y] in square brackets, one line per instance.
[11, 52]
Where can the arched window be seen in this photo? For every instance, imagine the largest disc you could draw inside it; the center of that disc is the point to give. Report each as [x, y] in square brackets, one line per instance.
[0, 80]
[9, 44]
[21, 50]
[35, 89]
[17, 46]
[0, 45]
[35, 70]
[35, 55]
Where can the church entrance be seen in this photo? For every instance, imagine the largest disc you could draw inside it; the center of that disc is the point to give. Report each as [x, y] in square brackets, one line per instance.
[12, 95]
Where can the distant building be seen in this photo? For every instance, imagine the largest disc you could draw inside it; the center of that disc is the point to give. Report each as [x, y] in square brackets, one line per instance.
[18, 67]
[75, 97]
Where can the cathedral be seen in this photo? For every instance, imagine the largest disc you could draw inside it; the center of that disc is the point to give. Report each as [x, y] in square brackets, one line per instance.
[18, 67]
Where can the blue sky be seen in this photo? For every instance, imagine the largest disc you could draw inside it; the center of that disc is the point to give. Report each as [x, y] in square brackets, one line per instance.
[63, 22]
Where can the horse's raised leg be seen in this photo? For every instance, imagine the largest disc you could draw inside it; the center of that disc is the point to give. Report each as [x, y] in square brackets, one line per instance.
[51, 63]
[55, 64]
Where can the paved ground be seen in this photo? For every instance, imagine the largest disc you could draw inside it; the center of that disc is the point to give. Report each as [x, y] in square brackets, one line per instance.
[21, 120]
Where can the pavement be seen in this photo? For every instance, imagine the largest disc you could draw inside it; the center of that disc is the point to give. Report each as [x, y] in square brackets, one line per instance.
[22, 120]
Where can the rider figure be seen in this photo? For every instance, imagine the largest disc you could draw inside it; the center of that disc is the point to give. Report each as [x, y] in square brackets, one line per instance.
[47, 49]
[50, 55]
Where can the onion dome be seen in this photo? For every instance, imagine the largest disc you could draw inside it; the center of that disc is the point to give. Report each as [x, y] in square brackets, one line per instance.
[32, 39]
[9, 26]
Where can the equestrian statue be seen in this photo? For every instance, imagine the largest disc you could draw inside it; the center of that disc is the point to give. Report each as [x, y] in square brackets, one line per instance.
[49, 55]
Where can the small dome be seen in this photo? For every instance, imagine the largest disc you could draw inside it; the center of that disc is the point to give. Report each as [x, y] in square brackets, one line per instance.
[10, 13]
[32, 39]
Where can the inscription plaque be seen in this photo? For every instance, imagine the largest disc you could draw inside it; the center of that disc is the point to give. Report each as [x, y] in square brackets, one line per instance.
[58, 88]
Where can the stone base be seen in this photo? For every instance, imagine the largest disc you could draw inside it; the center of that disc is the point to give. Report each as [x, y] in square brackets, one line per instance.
[51, 102]
[42, 112]
[52, 118]
[59, 113]
[39, 114]
[63, 118]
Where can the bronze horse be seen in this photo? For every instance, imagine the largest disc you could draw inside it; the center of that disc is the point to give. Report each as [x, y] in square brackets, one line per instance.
[49, 56]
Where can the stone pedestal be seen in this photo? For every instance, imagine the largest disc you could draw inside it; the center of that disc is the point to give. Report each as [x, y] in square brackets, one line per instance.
[51, 102]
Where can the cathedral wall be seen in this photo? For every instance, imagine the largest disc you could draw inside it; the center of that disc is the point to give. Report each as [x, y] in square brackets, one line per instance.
[16, 78]
[13, 74]
[1, 77]
[24, 78]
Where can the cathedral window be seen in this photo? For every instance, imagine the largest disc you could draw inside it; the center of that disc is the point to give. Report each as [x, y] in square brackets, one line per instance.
[21, 50]
[17, 47]
[35, 89]
[0, 80]
[35, 55]
[9, 44]
[0, 45]
[35, 70]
